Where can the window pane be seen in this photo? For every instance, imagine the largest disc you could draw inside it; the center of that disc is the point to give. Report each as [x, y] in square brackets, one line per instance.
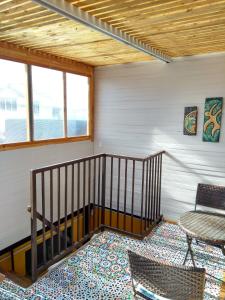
[13, 102]
[47, 103]
[77, 104]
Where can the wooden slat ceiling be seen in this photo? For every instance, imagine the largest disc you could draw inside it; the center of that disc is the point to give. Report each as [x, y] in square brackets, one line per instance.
[176, 27]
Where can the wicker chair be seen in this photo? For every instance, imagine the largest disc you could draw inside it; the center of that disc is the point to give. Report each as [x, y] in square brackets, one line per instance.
[205, 226]
[166, 280]
[209, 195]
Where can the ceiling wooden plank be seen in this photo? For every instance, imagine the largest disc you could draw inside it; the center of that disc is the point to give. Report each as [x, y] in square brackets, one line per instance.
[177, 26]
[77, 15]
[25, 55]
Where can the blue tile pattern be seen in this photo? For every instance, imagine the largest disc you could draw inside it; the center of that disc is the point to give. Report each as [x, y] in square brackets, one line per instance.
[100, 269]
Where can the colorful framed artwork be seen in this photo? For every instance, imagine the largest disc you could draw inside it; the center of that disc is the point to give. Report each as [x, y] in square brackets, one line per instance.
[212, 119]
[190, 120]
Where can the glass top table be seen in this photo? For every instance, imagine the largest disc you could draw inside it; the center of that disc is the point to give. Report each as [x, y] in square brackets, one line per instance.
[203, 226]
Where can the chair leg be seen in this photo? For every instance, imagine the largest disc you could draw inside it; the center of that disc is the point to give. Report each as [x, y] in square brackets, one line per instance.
[189, 241]
[134, 289]
[223, 249]
[186, 256]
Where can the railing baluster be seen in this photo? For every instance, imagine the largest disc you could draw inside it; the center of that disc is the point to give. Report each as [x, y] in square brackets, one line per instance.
[132, 198]
[94, 183]
[33, 226]
[84, 197]
[103, 189]
[89, 195]
[149, 191]
[65, 220]
[160, 182]
[156, 162]
[118, 193]
[59, 209]
[51, 213]
[72, 204]
[78, 202]
[152, 190]
[111, 188]
[99, 183]
[125, 196]
[43, 215]
[146, 194]
[142, 194]
[157, 186]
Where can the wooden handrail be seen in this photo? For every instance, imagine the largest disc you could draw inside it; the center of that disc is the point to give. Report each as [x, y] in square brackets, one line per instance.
[79, 160]
[66, 163]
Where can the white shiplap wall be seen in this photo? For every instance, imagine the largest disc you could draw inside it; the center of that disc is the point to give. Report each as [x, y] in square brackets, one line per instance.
[139, 110]
[15, 169]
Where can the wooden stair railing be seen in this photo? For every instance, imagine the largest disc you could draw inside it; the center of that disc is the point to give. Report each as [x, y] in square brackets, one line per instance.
[104, 191]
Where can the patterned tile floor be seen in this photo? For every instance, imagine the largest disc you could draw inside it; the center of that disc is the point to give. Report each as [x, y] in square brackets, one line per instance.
[100, 269]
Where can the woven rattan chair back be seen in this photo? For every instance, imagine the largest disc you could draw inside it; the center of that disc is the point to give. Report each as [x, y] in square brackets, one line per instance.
[166, 280]
[210, 196]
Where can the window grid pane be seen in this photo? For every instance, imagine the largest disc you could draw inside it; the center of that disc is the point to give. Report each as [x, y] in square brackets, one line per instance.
[48, 103]
[13, 102]
[57, 103]
[77, 104]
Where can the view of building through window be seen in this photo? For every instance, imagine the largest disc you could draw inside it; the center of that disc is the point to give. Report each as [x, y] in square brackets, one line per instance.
[77, 104]
[13, 102]
[47, 105]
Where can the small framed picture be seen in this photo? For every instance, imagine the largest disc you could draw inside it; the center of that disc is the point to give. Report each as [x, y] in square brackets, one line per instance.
[190, 120]
[212, 119]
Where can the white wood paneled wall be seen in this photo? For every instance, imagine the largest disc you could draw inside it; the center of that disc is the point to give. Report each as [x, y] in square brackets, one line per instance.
[139, 109]
[15, 169]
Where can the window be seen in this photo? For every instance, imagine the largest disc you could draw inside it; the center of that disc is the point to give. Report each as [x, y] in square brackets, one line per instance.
[48, 96]
[13, 102]
[77, 104]
[58, 107]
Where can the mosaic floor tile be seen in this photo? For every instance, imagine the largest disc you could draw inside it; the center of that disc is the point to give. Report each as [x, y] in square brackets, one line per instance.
[100, 269]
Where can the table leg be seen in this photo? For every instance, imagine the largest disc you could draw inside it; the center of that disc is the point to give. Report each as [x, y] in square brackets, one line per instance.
[189, 241]
[223, 249]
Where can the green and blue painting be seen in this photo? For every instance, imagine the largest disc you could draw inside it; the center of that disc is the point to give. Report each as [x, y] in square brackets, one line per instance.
[212, 119]
[190, 120]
